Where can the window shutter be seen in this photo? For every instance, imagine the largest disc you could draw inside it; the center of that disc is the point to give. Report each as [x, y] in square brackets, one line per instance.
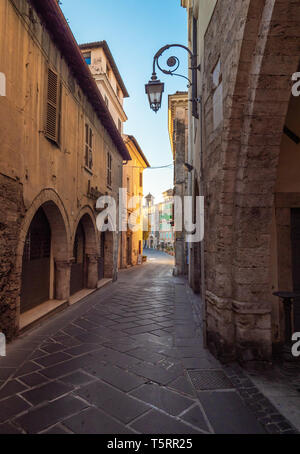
[87, 145]
[91, 150]
[52, 106]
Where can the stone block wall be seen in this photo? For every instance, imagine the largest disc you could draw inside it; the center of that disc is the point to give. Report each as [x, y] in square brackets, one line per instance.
[11, 215]
[244, 61]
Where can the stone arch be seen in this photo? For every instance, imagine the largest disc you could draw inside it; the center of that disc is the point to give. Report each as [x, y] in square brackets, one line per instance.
[87, 220]
[256, 103]
[57, 217]
[268, 96]
[87, 217]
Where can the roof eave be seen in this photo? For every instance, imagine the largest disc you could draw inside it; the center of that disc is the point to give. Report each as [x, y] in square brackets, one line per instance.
[140, 151]
[55, 22]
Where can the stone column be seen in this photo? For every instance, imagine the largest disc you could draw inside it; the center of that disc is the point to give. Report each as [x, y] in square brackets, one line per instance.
[92, 270]
[62, 279]
[180, 177]
[109, 256]
[253, 331]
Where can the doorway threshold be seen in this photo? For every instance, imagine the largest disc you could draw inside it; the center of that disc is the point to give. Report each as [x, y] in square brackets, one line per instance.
[78, 296]
[40, 312]
[103, 282]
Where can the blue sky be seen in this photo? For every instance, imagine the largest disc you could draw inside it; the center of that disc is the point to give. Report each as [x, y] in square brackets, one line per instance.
[135, 30]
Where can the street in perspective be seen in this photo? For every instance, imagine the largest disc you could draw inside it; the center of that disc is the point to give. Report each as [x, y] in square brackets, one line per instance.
[150, 225]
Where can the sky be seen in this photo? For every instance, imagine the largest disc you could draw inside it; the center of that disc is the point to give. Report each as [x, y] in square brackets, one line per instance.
[135, 30]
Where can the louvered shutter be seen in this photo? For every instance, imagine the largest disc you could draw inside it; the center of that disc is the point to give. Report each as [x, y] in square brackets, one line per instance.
[52, 106]
[87, 145]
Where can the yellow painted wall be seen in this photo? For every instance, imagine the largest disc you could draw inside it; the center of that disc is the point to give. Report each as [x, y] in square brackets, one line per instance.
[132, 171]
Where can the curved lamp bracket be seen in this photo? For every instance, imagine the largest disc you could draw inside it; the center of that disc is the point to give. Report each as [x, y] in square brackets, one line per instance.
[174, 63]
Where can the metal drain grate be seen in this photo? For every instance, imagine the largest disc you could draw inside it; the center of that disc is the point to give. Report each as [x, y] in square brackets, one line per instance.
[210, 379]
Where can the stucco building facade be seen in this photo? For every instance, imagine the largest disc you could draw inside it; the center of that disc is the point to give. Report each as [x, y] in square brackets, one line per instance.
[244, 149]
[60, 150]
[131, 247]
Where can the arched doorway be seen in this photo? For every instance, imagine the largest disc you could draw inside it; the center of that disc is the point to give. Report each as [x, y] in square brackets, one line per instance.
[286, 223]
[85, 262]
[35, 288]
[241, 258]
[78, 268]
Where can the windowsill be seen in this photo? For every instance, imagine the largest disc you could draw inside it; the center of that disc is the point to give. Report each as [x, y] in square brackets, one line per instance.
[88, 170]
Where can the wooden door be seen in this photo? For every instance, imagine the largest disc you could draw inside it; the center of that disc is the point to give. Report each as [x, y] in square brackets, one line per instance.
[128, 250]
[295, 236]
[35, 287]
[101, 258]
[78, 267]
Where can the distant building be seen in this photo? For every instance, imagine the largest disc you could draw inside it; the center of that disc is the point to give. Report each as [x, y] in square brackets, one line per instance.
[166, 224]
[108, 79]
[151, 233]
[159, 218]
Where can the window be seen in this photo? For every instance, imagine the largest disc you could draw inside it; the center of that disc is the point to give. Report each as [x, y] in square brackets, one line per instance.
[88, 57]
[88, 147]
[109, 169]
[53, 107]
[141, 179]
[120, 126]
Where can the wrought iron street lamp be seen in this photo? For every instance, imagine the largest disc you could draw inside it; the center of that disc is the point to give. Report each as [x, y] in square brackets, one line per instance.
[155, 88]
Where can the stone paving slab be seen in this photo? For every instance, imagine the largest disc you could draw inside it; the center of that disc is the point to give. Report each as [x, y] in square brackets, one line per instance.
[217, 405]
[122, 361]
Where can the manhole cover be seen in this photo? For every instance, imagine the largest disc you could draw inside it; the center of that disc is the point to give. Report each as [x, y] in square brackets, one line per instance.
[210, 379]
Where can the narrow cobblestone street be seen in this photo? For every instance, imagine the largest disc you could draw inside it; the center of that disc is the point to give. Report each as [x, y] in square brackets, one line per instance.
[128, 359]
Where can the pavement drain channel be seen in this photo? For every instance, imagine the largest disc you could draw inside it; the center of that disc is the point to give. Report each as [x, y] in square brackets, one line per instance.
[210, 380]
